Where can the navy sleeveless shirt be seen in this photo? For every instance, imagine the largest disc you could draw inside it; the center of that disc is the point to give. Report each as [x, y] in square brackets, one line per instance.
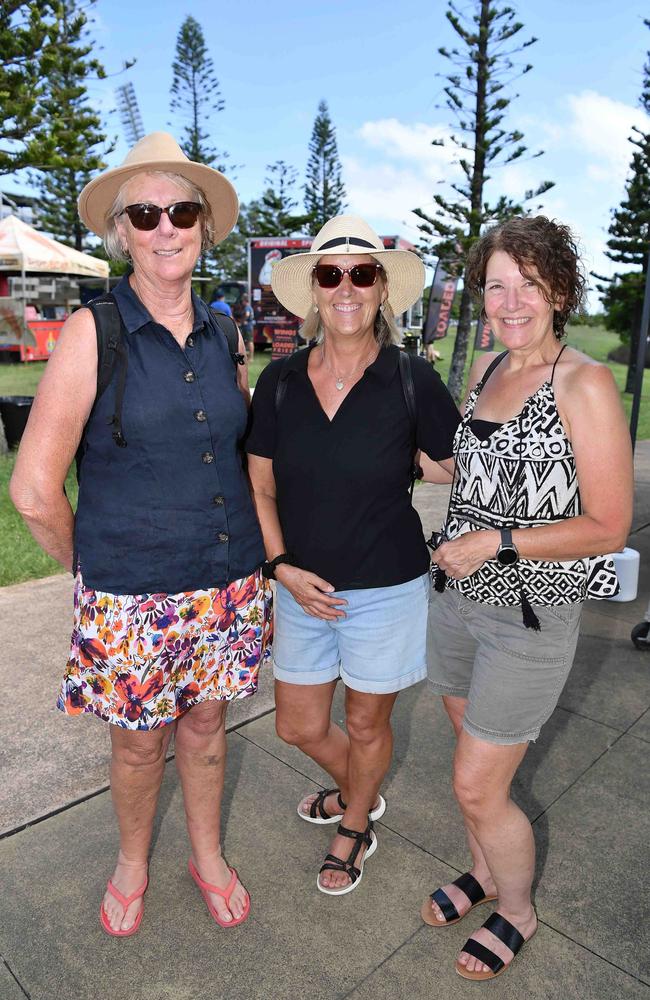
[172, 510]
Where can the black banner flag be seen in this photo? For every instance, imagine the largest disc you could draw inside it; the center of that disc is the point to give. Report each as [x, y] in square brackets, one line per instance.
[441, 298]
[484, 340]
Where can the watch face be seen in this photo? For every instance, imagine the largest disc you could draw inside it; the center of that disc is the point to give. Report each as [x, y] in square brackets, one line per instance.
[507, 555]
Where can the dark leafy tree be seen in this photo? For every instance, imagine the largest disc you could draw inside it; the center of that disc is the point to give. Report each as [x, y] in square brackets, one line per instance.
[278, 204]
[483, 67]
[629, 242]
[81, 144]
[196, 97]
[229, 260]
[324, 188]
[27, 57]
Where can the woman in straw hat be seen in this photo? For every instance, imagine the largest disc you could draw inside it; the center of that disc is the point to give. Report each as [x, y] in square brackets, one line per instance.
[330, 455]
[171, 612]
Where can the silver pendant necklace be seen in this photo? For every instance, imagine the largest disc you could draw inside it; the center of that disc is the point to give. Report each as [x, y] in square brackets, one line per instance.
[340, 380]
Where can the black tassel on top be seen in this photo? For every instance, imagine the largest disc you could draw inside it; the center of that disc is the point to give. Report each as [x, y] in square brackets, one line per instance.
[530, 618]
[440, 580]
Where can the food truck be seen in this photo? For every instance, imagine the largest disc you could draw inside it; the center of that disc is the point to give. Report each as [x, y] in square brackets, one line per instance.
[39, 286]
[274, 325]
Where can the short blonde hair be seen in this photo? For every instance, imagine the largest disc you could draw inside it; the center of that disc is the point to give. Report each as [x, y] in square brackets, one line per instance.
[112, 241]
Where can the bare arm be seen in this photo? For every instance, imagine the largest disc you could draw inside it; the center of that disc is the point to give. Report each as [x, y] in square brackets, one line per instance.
[309, 590]
[442, 472]
[60, 410]
[601, 444]
[242, 371]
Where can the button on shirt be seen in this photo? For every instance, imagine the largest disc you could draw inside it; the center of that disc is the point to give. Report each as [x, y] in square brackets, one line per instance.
[172, 510]
[343, 485]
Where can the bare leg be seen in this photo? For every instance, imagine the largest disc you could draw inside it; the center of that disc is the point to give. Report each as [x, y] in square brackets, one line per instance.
[483, 774]
[371, 748]
[303, 719]
[137, 766]
[455, 708]
[201, 763]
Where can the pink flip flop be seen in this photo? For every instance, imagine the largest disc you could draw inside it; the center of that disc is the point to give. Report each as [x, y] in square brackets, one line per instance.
[126, 902]
[226, 893]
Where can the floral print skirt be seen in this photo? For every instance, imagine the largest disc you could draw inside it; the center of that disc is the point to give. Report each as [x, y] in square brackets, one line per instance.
[140, 661]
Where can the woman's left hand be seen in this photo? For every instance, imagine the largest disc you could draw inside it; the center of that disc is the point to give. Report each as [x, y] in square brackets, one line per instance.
[464, 555]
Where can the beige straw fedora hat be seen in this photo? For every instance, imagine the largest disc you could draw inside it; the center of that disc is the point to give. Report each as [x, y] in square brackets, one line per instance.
[347, 235]
[159, 151]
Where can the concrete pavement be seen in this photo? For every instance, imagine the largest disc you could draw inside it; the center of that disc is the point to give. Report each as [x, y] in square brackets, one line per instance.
[585, 786]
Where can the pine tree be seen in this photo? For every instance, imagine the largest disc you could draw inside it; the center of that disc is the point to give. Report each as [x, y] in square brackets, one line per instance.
[195, 95]
[324, 189]
[629, 242]
[475, 95]
[27, 57]
[277, 209]
[82, 140]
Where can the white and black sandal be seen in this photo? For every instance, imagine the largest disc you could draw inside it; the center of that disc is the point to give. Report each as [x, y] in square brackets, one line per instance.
[365, 838]
[318, 814]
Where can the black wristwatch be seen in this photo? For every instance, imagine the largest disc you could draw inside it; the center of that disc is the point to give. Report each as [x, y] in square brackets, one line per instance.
[268, 568]
[507, 554]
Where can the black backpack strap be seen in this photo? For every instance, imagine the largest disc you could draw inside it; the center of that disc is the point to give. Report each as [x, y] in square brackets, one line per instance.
[281, 387]
[230, 331]
[408, 388]
[111, 351]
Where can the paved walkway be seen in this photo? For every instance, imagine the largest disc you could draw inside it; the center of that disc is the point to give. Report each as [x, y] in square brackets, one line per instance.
[585, 786]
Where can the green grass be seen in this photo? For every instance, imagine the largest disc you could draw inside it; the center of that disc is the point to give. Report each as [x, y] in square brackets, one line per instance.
[22, 559]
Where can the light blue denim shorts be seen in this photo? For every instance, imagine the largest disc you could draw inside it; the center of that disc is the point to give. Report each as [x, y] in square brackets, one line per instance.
[378, 648]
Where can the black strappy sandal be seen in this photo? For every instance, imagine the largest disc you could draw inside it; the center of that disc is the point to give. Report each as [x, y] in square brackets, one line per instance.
[366, 838]
[318, 814]
[467, 884]
[504, 931]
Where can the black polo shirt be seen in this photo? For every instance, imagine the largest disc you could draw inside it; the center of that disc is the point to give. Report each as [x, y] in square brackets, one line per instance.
[343, 485]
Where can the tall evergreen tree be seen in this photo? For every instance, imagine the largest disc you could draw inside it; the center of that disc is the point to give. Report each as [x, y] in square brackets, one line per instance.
[482, 67]
[629, 242]
[81, 145]
[27, 57]
[195, 95]
[324, 189]
[278, 204]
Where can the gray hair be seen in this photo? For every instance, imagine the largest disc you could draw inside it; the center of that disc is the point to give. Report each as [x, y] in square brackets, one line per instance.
[386, 331]
[112, 242]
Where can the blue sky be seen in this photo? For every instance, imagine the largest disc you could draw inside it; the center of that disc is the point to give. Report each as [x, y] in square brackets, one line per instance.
[376, 63]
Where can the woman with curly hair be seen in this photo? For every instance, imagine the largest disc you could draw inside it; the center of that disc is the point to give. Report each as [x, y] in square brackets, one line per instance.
[542, 486]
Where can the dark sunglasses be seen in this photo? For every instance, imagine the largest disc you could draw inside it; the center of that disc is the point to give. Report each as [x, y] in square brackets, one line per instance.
[182, 214]
[361, 275]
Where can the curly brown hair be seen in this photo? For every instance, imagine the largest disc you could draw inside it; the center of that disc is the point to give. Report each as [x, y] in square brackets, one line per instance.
[540, 245]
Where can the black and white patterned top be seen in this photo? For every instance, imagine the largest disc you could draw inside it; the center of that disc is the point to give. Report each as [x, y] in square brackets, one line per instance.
[523, 475]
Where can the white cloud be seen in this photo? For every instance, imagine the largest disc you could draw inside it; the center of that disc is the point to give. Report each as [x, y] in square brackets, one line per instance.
[600, 127]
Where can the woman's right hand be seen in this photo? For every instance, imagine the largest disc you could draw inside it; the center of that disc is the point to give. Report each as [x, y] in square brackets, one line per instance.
[310, 592]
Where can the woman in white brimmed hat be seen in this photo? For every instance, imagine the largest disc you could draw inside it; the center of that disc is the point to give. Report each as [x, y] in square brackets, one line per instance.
[171, 611]
[330, 454]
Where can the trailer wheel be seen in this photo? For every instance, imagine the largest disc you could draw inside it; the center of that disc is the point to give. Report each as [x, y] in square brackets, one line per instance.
[640, 635]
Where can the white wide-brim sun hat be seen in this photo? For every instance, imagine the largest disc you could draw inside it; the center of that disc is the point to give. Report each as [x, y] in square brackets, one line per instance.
[159, 151]
[347, 235]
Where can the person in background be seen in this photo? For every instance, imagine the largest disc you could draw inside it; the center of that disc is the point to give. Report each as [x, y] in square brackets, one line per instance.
[543, 485]
[220, 305]
[171, 613]
[245, 319]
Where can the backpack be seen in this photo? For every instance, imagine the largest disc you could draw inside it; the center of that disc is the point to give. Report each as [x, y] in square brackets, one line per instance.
[111, 352]
[408, 389]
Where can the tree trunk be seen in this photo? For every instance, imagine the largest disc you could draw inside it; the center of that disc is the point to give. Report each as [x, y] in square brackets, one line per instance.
[634, 348]
[457, 370]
